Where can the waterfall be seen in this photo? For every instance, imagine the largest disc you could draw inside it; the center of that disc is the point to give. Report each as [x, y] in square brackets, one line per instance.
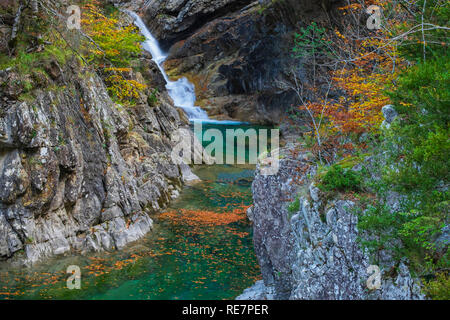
[181, 91]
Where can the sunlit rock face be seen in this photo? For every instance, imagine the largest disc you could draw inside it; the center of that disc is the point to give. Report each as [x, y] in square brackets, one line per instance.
[313, 252]
[79, 172]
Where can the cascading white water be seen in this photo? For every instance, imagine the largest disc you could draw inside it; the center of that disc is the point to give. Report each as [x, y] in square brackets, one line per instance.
[181, 91]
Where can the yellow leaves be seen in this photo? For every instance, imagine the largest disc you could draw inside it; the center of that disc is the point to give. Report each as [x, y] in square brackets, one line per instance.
[113, 48]
[353, 6]
[405, 104]
[118, 69]
[363, 82]
[339, 34]
[124, 89]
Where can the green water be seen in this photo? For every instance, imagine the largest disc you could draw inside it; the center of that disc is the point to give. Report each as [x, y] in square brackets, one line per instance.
[200, 248]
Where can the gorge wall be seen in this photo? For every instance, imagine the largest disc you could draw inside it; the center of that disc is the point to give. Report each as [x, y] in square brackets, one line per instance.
[79, 172]
[236, 52]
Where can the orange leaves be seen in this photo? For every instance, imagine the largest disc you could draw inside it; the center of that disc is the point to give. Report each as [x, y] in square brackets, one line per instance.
[196, 218]
[366, 63]
[360, 111]
[363, 82]
[339, 34]
[352, 6]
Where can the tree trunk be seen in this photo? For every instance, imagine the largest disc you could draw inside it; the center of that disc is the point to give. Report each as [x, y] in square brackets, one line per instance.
[34, 7]
[15, 28]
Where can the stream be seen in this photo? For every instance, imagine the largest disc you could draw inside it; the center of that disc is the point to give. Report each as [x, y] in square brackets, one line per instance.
[200, 248]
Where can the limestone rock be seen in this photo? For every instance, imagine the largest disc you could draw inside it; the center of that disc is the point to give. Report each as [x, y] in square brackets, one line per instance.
[257, 292]
[389, 114]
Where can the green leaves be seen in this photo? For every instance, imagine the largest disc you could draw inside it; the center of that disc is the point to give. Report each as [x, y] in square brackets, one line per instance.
[419, 143]
[310, 41]
[294, 206]
[416, 152]
[339, 179]
[420, 230]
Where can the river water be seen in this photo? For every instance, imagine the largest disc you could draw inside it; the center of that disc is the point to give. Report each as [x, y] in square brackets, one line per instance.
[201, 248]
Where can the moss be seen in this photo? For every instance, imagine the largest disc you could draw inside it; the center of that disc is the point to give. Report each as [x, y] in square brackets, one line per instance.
[262, 8]
[349, 162]
[26, 97]
[294, 206]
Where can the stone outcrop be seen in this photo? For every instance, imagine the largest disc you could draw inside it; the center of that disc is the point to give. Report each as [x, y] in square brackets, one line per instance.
[79, 172]
[175, 20]
[389, 114]
[313, 252]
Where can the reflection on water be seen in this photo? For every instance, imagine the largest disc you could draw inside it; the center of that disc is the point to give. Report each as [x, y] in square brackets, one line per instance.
[201, 248]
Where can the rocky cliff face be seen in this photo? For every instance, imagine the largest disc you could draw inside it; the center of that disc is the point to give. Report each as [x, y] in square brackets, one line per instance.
[236, 52]
[313, 253]
[79, 172]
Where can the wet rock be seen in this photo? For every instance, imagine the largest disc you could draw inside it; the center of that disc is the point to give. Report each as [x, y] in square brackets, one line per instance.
[237, 53]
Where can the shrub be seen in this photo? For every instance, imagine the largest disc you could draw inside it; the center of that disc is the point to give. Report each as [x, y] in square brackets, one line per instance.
[294, 206]
[439, 288]
[339, 179]
[152, 98]
[417, 156]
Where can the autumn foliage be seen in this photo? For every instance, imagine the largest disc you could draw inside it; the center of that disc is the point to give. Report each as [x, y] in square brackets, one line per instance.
[112, 49]
[404, 63]
[358, 64]
[359, 109]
